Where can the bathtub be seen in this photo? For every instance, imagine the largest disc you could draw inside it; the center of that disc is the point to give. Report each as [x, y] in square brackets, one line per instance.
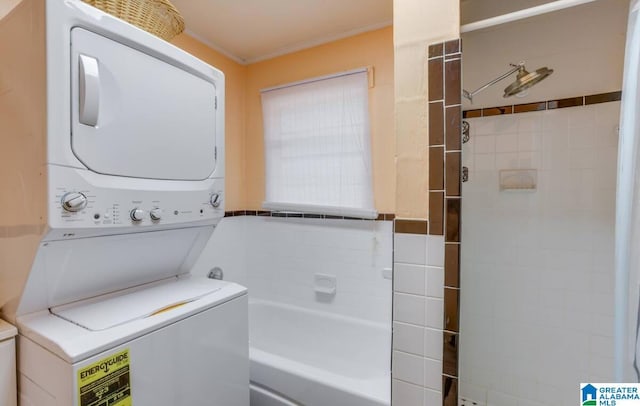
[313, 358]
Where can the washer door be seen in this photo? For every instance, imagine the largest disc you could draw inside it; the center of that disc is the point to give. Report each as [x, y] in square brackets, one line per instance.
[138, 116]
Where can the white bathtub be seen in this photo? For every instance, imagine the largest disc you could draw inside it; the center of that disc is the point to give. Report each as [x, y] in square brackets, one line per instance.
[313, 358]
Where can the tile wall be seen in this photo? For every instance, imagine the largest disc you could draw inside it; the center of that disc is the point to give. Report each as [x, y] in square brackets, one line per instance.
[417, 316]
[426, 256]
[277, 259]
[537, 265]
[284, 255]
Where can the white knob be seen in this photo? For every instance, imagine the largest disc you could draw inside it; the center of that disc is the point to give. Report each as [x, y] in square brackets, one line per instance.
[74, 201]
[215, 200]
[137, 214]
[156, 214]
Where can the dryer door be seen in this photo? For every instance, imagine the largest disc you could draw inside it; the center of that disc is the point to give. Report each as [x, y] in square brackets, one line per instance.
[138, 116]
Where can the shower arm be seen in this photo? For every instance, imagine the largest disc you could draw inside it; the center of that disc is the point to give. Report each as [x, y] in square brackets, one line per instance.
[516, 68]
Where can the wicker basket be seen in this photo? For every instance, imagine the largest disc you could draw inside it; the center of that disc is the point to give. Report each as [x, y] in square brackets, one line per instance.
[158, 17]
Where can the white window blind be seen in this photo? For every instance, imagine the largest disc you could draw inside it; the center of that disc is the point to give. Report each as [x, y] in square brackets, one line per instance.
[317, 146]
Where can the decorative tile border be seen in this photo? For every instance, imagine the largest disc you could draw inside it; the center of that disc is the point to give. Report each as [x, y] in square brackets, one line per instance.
[445, 144]
[404, 226]
[268, 213]
[544, 105]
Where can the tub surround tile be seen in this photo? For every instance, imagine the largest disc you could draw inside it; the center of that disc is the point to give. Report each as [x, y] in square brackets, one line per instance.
[432, 397]
[452, 57]
[452, 265]
[404, 226]
[436, 50]
[451, 309]
[568, 102]
[436, 79]
[433, 339]
[452, 47]
[273, 251]
[409, 279]
[453, 128]
[453, 169]
[528, 107]
[410, 248]
[452, 88]
[406, 394]
[436, 209]
[409, 309]
[449, 391]
[435, 251]
[472, 113]
[603, 97]
[434, 283]
[453, 220]
[496, 111]
[433, 374]
[436, 123]
[408, 338]
[434, 313]
[408, 368]
[436, 168]
[450, 354]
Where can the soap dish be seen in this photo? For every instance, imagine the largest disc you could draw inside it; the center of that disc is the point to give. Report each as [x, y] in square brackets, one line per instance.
[518, 179]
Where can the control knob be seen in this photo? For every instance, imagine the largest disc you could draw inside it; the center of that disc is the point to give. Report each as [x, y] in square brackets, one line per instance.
[155, 214]
[137, 214]
[215, 200]
[74, 201]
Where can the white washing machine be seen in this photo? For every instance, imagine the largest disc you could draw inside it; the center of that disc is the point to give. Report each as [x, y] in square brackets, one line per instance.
[112, 171]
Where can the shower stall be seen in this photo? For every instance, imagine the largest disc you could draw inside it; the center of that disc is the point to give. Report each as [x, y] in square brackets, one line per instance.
[538, 241]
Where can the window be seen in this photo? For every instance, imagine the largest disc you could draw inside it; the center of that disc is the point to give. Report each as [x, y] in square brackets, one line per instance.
[317, 146]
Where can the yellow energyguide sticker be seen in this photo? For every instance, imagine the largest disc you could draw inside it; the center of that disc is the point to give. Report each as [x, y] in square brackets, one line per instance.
[106, 382]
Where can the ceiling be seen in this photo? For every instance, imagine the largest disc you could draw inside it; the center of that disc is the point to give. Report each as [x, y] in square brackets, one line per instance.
[253, 30]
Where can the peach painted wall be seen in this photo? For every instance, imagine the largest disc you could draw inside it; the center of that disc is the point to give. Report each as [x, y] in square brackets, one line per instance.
[244, 138]
[417, 24]
[235, 78]
[373, 48]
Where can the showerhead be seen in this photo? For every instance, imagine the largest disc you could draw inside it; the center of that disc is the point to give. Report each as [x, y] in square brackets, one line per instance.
[525, 80]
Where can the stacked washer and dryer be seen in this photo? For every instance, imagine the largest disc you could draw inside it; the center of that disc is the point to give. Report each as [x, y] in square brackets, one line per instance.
[112, 170]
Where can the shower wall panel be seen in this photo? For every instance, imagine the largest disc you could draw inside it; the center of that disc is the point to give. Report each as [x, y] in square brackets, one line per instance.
[537, 265]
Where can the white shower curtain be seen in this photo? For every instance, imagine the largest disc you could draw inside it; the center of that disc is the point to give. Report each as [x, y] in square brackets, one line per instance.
[627, 252]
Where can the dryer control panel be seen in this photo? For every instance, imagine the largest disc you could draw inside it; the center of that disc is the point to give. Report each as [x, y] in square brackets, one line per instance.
[91, 201]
